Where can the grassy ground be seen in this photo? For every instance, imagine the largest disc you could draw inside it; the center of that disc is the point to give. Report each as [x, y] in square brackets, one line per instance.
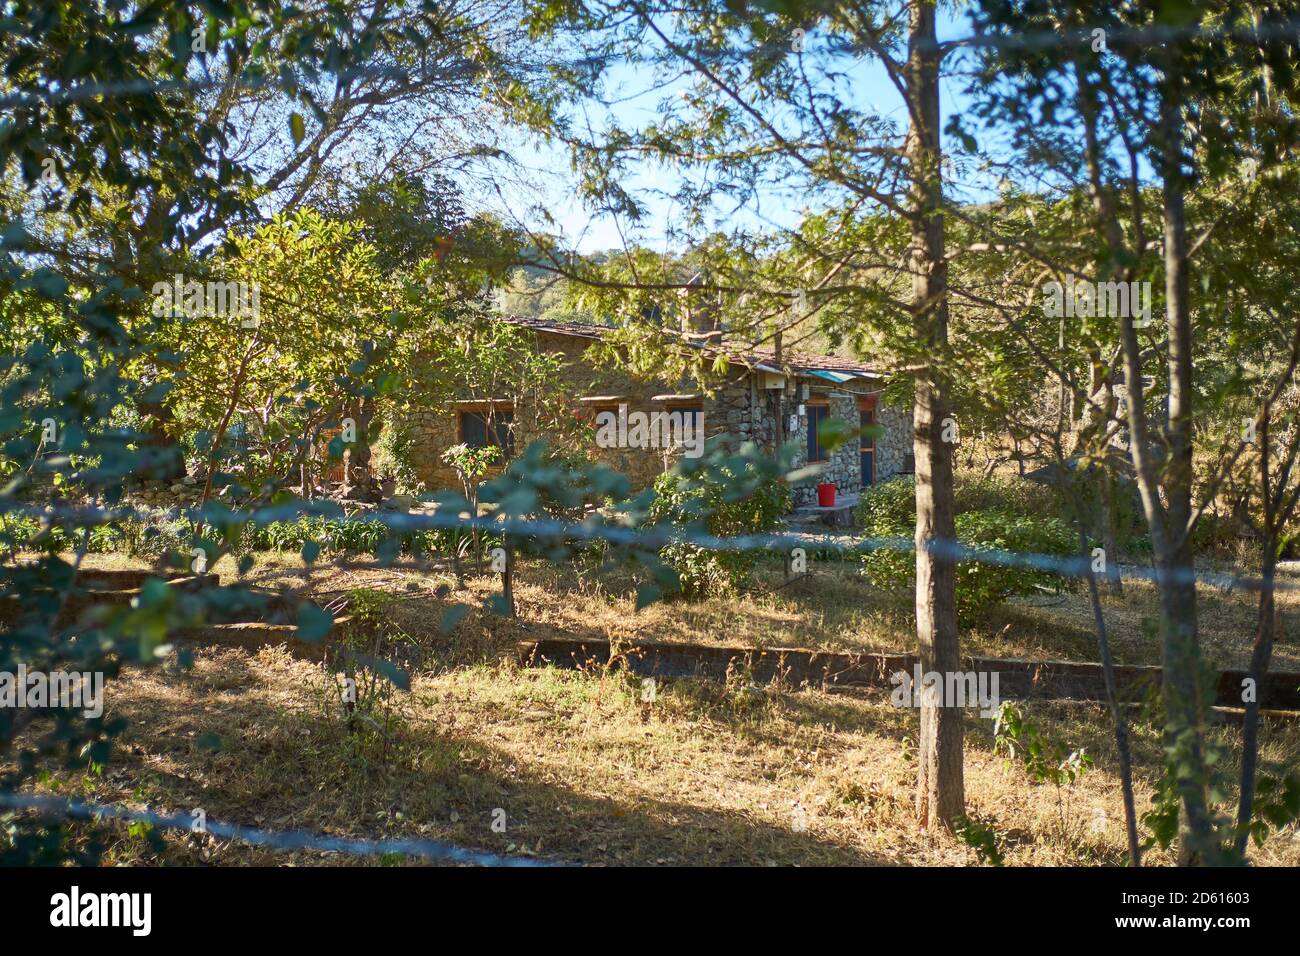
[586, 771]
[833, 608]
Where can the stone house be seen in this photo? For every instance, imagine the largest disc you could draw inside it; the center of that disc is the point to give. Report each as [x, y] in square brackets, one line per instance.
[757, 399]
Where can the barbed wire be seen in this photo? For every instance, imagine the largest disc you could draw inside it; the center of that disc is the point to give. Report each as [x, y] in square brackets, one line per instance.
[655, 538]
[286, 840]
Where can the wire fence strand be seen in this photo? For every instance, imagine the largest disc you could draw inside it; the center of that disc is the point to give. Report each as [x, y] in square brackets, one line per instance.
[283, 840]
[656, 537]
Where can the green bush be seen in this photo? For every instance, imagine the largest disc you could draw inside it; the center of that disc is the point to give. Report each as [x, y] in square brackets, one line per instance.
[393, 456]
[725, 500]
[158, 535]
[149, 537]
[980, 585]
[341, 535]
[892, 504]
[164, 533]
[887, 507]
[1218, 534]
[1018, 496]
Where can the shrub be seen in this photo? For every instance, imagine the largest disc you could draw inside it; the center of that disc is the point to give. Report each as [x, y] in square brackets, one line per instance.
[341, 535]
[727, 498]
[393, 457]
[1218, 534]
[161, 534]
[892, 504]
[1018, 496]
[887, 507]
[980, 584]
[152, 536]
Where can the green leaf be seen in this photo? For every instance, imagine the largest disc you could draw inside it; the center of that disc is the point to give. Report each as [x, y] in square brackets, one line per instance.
[452, 616]
[834, 432]
[297, 128]
[313, 622]
[387, 669]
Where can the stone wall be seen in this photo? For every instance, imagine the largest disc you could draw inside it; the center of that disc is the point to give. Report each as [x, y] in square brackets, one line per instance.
[436, 429]
[843, 468]
[735, 409]
[895, 444]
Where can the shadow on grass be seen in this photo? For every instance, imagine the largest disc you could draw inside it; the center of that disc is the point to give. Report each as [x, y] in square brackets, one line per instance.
[282, 765]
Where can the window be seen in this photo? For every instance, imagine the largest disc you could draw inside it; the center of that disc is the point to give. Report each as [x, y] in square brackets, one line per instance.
[867, 444]
[817, 414]
[491, 426]
[692, 415]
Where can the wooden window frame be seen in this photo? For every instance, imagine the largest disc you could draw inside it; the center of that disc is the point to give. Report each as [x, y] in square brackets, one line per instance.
[867, 406]
[592, 405]
[592, 411]
[809, 405]
[479, 408]
[685, 406]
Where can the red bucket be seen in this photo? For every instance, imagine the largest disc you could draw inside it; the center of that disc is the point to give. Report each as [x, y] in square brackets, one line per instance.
[826, 495]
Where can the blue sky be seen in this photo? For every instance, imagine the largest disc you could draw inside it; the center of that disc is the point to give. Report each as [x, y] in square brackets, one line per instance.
[635, 105]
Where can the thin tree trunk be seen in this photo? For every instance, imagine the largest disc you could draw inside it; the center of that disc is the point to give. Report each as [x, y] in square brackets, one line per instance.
[236, 392]
[508, 579]
[1112, 699]
[1109, 542]
[940, 796]
[1184, 704]
[357, 479]
[1263, 649]
[1101, 406]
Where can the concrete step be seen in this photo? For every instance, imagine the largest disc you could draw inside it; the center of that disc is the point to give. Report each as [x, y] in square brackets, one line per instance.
[839, 515]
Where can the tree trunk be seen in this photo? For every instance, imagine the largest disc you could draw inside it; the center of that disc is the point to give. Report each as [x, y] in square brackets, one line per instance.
[1112, 700]
[939, 795]
[162, 454]
[508, 580]
[1101, 394]
[358, 482]
[1184, 701]
[1109, 542]
[1263, 650]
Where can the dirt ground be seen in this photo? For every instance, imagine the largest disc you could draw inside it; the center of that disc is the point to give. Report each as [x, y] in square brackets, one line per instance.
[587, 771]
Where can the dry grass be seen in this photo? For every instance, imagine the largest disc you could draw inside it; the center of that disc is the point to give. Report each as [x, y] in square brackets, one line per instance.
[834, 608]
[586, 771]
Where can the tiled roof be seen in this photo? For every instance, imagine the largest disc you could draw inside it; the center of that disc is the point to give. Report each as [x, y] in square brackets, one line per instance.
[798, 362]
[560, 328]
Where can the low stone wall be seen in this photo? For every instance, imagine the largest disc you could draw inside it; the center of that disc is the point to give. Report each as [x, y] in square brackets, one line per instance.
[165, 495]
